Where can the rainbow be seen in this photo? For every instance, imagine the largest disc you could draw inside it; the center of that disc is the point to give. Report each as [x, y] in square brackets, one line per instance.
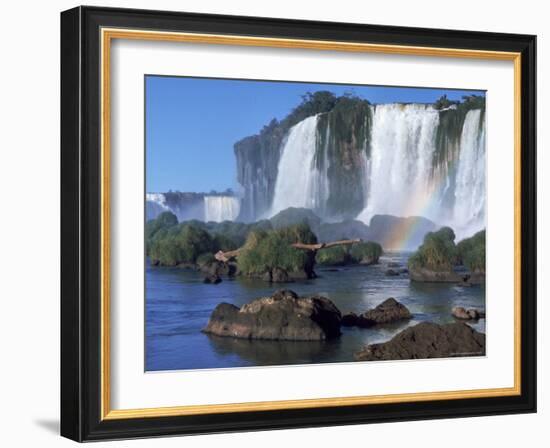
[421, 204]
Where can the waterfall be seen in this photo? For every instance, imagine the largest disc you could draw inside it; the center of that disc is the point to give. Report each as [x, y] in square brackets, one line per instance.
[297, 182]
[221, 208]
[155, 204]
[400, 165]
[360, 160]
[469, 207]
[410, 175]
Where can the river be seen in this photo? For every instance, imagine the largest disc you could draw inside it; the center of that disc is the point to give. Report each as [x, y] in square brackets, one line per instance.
[178, 305]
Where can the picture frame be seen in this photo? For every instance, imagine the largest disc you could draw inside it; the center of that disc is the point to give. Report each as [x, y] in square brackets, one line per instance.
[86, 206]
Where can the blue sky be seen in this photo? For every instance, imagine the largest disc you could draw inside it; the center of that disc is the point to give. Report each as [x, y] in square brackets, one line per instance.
[192, 123]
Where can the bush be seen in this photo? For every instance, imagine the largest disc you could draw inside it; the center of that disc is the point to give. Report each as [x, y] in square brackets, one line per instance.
[437, 253]
[205, 259]
[266, 250]
[471, 252]
[180, 244]
[368, 251]
[161, 224]
[333, 256]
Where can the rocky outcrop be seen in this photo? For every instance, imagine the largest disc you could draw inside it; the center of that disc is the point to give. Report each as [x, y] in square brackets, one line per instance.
[427, 275]
[215, 270]
[277, 275]
[387, 312]
[427, 340]
[467, 314]
[212, 279]
[474, 278]
[283, 316]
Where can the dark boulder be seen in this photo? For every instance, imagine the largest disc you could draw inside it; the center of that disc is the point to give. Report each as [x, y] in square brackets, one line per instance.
[387, 312]
[427, 340]
[283, 316]
[219, 268]
[212, 279]
[391, 273]
[467, 314]
[277, 275]
[350, 320]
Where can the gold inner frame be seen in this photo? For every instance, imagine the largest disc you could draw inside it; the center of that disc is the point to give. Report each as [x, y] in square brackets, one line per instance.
[107, 35]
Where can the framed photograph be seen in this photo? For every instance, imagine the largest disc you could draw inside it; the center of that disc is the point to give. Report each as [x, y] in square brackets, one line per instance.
[275, 224]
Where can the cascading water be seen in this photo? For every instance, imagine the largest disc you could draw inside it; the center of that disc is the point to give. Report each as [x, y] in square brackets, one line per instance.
[407, 176]
[469, 207]
[221, 208]
[155, 204]
[402, 147]
[414, 160]
[297, 180]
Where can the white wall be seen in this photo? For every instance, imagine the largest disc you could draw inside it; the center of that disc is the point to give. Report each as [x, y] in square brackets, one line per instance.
[29, 181]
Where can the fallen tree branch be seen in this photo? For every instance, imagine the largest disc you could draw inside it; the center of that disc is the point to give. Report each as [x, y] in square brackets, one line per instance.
[324, 245]
[227, 256]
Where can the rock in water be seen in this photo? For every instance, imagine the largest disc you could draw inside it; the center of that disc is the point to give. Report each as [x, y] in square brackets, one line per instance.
[283, 316]
[212, 279]
[427, 275]
[387, 312]
[427, 340]
[462, 313]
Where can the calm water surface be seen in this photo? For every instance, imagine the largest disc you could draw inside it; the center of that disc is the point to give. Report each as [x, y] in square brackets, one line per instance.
[178, 305]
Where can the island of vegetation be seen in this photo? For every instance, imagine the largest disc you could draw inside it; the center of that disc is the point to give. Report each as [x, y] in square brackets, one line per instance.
[439, 259]
[276, 250]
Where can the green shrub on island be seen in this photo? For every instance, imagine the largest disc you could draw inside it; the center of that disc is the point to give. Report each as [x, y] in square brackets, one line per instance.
[366, 253]
[333, 256]
[471, 252]
[163, 221]
[359, 253]
[440, 254]
[181, 244]
[205, 259]
[267, 250]
[293, 215]
[437, 253]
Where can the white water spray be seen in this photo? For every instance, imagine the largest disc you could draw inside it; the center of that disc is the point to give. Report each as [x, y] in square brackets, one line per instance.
[221, 208]
[297, 182]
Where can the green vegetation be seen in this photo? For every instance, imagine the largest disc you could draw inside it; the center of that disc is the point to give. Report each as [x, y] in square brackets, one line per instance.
[342, 136]
[168, 243]
[443, 103]
[334, 256]
[266, 250]
[292, 216]
[181, 244]
[312, 104]
[471, 252]
[451, 122]
[437, 252]
[205, 259]
[367, 252]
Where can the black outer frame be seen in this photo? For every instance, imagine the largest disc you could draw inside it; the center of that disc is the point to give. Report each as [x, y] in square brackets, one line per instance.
[80, 223]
